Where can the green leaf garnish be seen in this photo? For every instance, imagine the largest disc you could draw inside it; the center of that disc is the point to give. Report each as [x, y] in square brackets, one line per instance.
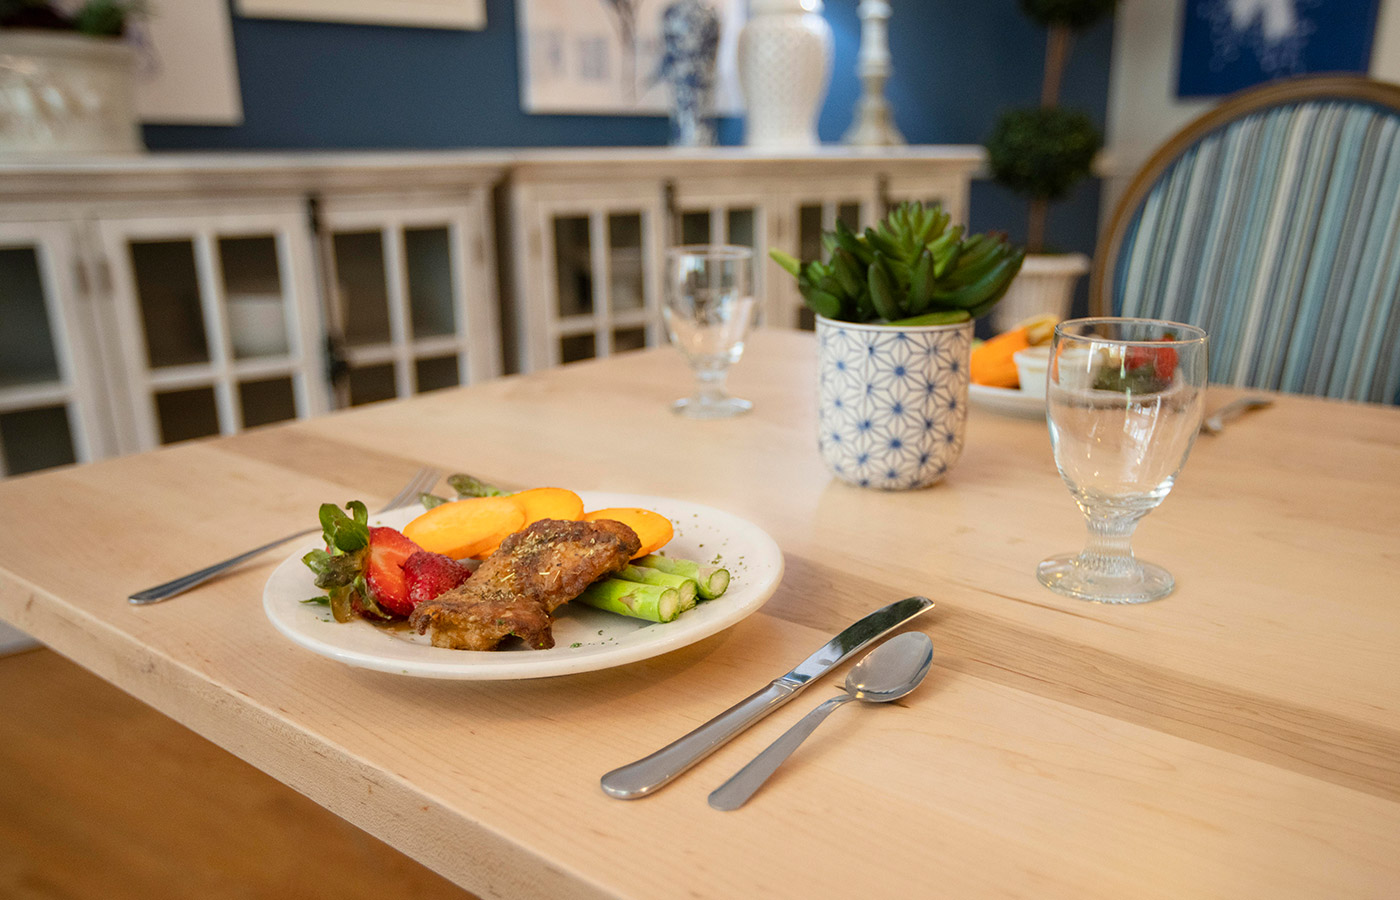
[341, 532]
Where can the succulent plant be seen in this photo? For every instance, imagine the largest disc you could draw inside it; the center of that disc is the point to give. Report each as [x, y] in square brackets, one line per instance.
[910, 269]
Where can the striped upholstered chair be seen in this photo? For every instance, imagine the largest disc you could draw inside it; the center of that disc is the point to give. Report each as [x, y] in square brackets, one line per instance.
[1273, 222]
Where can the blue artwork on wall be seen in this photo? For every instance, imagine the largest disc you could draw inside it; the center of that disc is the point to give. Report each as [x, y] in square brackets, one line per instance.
[1228, 45]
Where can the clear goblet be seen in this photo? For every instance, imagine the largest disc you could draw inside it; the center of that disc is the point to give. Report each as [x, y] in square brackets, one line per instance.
[709, 308]
[1124, 401]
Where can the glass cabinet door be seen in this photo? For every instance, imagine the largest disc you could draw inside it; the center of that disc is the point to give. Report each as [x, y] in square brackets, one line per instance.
[217, 323]
[412, 298]
[589, 284]
[49, 391]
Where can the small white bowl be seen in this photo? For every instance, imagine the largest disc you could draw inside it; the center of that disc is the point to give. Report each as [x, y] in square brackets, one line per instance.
[1032, 365]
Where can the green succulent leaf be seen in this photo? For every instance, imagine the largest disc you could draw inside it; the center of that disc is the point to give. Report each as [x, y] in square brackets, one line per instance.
[921, 283]
[824, 304]
[912, 264]
[852, 244]
[880, 244]
[942, 317]
[791, 264]
[882, 289]
[848, 272]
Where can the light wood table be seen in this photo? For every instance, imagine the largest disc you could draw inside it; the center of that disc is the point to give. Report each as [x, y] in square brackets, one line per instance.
[1239, 739]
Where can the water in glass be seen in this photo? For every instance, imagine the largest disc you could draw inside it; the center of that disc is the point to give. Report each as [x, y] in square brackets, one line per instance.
[708, 311]
[1125, 401]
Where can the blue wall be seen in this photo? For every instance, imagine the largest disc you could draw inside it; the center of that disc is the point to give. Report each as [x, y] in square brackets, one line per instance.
[322, 85]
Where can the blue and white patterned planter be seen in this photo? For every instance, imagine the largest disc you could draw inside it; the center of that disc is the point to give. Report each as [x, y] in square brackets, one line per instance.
[892, 402]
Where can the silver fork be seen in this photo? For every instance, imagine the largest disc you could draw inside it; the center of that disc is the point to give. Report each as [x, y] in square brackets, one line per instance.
[421, 482]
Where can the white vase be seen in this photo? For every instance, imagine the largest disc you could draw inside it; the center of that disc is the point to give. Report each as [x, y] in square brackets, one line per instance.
[1045, 284]
[62, 93]
[784, 70]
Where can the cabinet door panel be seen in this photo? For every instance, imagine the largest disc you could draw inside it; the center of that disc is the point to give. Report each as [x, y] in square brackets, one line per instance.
[28, 353]
[253, 287]
[173, 327]
[204, 307]
[414, 294]
[362, 286]
[587, 285]
[52, 399]
[428, 264]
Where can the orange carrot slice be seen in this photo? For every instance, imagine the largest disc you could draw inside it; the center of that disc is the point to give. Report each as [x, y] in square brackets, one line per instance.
[464, 528]
[542, 503]
[548, 503]
[654, 529]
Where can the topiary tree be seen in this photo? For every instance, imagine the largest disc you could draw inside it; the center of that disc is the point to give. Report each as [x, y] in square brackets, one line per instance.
[1044, 152]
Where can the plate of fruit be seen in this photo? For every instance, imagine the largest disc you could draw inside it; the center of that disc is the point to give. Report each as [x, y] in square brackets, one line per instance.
[539, 583]
[1008, 372]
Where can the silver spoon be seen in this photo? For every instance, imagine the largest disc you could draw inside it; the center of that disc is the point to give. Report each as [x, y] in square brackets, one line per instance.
[886, 673]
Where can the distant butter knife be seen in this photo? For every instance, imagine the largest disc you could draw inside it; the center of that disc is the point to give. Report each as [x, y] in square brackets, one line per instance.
[1215, 422]
[652, 772]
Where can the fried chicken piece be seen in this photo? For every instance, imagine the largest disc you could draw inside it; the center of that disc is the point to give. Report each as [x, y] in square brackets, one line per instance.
[518, 588]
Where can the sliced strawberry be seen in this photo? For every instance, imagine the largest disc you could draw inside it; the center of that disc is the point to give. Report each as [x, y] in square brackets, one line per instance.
[431, 574]
[1137, 357]
[384, 574]
[1161, 361]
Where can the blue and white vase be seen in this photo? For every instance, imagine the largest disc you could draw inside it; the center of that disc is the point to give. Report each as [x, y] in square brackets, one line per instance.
[892, 402]
[690, 40]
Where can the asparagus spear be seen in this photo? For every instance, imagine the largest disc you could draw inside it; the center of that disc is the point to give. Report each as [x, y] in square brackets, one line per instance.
[470, 486]
[653, 602]
[711, 581]
[644, 575]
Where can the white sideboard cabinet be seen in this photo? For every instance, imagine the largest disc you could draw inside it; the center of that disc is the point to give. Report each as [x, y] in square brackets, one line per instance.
[156, 299]
[590, 228]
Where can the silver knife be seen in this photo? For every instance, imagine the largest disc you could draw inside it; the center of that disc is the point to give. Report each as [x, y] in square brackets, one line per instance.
[640, 778]
[1215, 422]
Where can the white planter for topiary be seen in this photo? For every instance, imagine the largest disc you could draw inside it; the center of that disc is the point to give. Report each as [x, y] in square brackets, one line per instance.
[1044, 285]
[69, 94]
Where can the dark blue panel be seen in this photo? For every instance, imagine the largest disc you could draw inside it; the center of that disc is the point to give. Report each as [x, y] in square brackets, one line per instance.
[327, 85]
[313, 85]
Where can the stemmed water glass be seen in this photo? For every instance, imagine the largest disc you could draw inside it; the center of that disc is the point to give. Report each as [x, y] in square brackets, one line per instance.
[709, 308]
[1125, 400]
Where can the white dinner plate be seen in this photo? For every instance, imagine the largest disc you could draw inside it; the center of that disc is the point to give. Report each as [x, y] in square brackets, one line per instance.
[584, 638]
[1008, 401]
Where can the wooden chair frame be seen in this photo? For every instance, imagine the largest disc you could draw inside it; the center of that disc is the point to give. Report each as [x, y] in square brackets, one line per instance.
[1276, 93]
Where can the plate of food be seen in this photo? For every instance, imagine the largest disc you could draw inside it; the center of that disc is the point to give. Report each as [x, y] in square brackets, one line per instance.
[550, 592]
[1007, 401]
[1008, 372]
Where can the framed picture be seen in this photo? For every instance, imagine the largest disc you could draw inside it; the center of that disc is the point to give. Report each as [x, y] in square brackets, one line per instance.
[1228, 45]
[186, 72]
[601, 56]
[466, 14]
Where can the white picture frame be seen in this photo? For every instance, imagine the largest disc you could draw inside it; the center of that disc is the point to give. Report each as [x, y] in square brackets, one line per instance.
[186, 72]
[572, 59]
[468, 15]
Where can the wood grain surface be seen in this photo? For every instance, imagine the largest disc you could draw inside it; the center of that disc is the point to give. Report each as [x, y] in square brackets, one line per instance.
[1240, 738]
